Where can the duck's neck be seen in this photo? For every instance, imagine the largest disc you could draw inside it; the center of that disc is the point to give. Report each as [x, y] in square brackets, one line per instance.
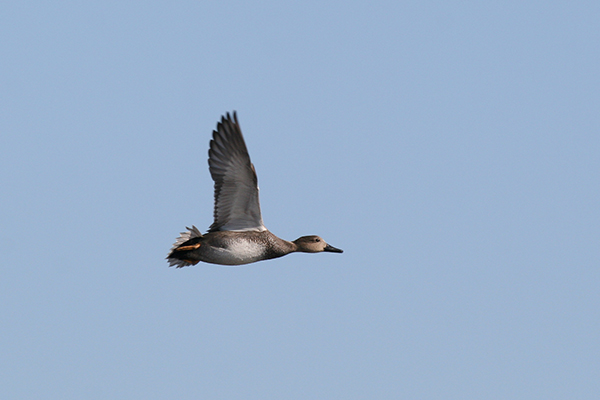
[280, 247]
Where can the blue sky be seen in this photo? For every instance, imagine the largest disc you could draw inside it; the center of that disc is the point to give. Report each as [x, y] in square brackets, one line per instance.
[450, 148]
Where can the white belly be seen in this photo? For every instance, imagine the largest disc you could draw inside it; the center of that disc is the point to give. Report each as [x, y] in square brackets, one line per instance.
[237, 253]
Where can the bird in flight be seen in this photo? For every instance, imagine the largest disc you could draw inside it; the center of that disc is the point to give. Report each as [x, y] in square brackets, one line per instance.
[237, 236]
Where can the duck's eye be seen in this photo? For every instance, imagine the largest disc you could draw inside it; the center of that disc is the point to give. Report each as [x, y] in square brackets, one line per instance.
[317, 240]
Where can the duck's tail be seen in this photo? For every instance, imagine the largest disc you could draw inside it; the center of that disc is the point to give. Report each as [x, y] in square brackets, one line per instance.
[179, 256]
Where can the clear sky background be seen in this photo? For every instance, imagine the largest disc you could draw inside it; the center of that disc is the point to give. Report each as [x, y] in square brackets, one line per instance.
[452, 149]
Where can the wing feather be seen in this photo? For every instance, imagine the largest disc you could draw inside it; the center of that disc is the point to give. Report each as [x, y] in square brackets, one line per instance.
[237, 207]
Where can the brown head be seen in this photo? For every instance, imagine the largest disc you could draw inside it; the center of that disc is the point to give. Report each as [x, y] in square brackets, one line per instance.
[314, 244]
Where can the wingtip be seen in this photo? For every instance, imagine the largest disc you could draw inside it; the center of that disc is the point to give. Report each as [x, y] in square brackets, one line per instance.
[227, 117]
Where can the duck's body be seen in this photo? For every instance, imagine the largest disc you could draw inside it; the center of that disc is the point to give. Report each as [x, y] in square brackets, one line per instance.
[237, 235]
[237, 248]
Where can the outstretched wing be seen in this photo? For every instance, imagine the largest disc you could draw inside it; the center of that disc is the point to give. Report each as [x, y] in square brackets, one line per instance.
[237, 207]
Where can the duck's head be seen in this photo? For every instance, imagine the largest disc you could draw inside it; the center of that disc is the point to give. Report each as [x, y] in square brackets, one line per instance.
[314, 244]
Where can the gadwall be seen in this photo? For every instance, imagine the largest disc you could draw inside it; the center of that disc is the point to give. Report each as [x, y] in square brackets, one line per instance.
[237, 235]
